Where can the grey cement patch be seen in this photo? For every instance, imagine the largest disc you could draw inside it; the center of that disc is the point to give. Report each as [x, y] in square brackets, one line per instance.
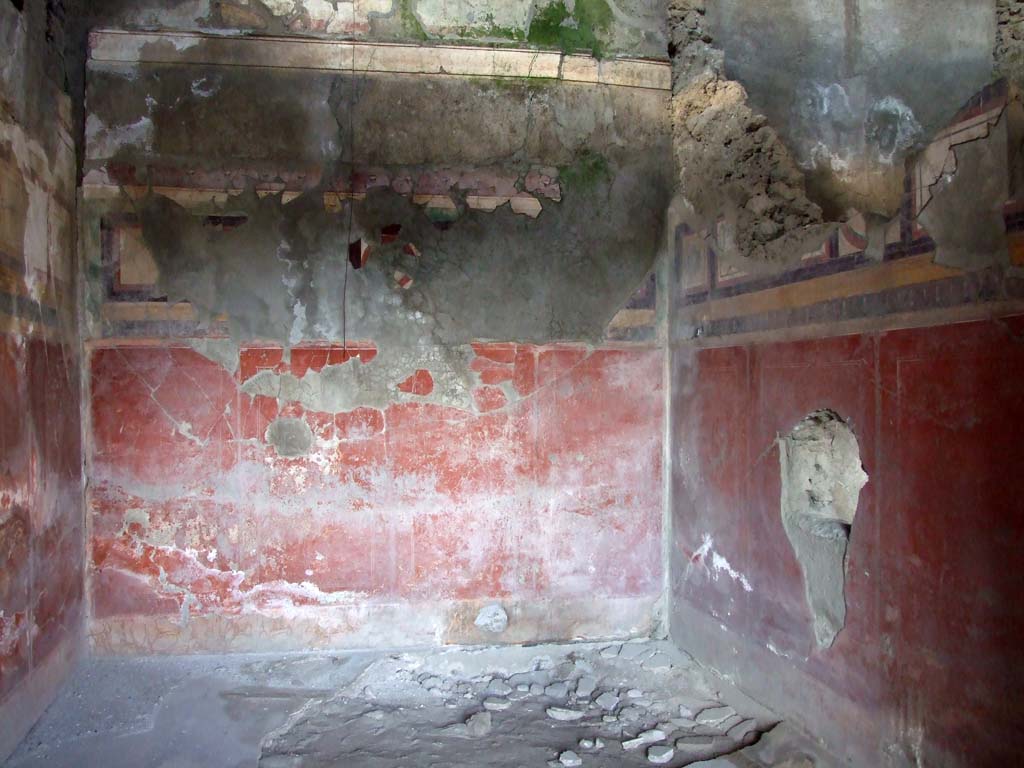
[965, 213]
[290, 437]
[356, 384]
[492, 618]
[224, 352]
[457, 707]
[822, 478]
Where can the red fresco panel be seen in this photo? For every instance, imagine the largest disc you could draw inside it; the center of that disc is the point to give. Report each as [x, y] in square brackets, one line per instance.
[156, 422]
[597, 466]
[15, 596]
[416, 500]
[953, 408]
[712, 411]
[41, 547]
[930, 647]
[790, 381]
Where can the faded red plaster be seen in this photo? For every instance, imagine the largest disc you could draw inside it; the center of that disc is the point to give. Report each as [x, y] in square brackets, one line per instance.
[496, 352]
[489, 399]
[416, 501]
[932, 572]
[41, 540]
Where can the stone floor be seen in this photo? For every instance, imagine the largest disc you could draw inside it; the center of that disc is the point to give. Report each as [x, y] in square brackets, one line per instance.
[627, 704]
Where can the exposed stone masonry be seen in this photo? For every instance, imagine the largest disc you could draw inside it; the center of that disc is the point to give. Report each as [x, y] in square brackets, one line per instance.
[730, 161]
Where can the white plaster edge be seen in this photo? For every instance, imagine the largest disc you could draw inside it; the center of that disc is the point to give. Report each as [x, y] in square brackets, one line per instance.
[377, 624]
[126, 47]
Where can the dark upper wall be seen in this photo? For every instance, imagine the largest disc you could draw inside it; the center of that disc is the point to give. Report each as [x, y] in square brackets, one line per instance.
[855, 86]
[433, 155]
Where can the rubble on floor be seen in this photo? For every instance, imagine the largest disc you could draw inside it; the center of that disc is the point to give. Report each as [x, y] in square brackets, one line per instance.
[637, 703]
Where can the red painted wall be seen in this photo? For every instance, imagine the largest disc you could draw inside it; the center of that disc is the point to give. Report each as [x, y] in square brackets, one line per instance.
[41, 537]
[928, 665]
[400, 522]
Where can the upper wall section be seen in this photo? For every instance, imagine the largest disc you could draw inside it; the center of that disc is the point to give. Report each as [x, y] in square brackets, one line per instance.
[905, 210]
[854, 86]
[242, 175]
[37, 177]
[602, 27]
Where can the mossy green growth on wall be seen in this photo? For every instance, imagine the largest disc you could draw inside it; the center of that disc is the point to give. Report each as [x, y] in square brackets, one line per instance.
[554, 26]
[587, 172]
[488, 30]
[411, 25]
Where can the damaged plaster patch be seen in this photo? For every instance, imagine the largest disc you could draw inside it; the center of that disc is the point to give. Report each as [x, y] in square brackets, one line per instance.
[224, 352]
[290, 437]
[715, 564]
[730, 161]
[492, 618]
[965, 179]
[892, 130]
[375, 384]
[822, 478]
[446, 17]
[105, 141]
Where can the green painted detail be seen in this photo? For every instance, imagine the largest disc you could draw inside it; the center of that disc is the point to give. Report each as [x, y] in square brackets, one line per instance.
[410, 24]
[583, 29]
[586, 173]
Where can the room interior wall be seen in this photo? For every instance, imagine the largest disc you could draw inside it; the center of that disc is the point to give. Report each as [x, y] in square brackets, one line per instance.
[371, 352]
[921, 360]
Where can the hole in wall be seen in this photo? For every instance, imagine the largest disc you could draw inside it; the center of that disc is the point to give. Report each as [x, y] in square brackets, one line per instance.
[822, 477]
[19, 5]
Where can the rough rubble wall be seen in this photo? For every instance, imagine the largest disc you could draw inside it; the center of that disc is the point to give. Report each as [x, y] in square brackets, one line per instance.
[371, 464]
[731, 162]
[856, 86]
[41, 537]
[1009, 52]
[796, 116]
[1009, 64]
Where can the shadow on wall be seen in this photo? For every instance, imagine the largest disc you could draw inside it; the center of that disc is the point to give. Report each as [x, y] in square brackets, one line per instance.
[822, 478]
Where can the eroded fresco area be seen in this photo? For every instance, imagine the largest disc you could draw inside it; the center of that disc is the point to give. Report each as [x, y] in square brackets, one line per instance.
[792, 123]
[223, 519]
